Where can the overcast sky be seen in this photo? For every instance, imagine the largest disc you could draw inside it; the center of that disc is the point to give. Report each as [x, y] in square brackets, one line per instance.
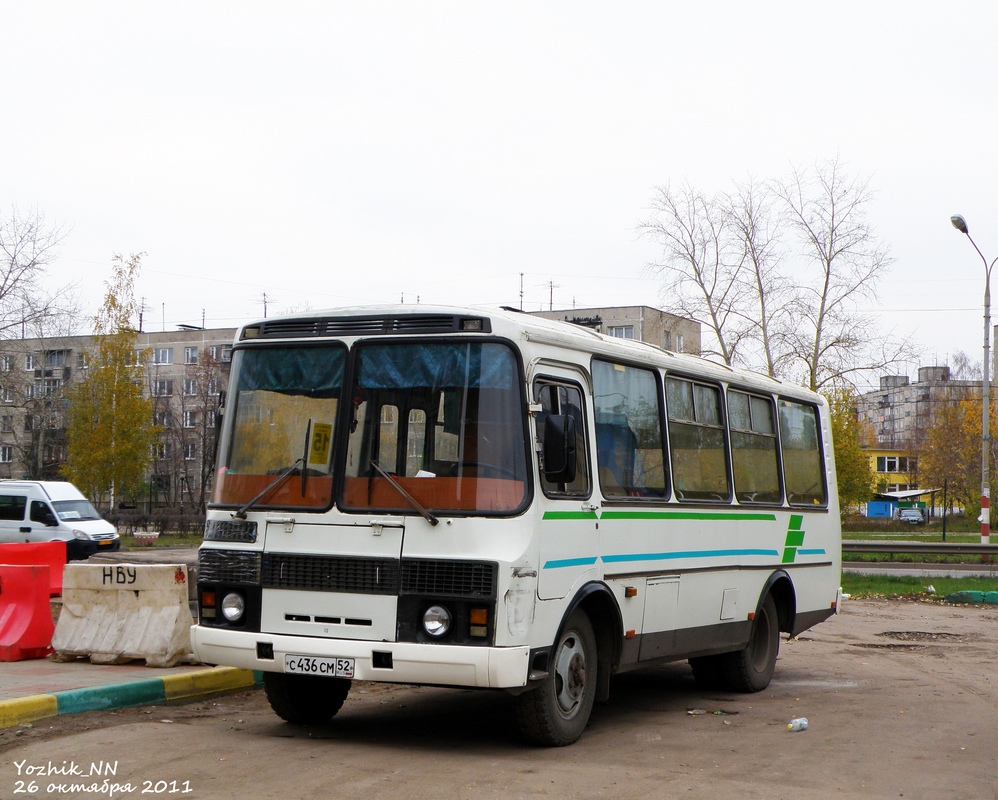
[334, 153]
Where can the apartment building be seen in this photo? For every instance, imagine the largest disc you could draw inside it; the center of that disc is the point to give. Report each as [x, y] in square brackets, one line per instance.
[644, 323]
[183, 372]
[896, 417]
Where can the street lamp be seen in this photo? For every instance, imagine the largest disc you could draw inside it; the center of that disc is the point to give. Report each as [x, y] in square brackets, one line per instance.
[961, 225]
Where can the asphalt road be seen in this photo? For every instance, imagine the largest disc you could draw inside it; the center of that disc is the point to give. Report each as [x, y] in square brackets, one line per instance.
[900, 696]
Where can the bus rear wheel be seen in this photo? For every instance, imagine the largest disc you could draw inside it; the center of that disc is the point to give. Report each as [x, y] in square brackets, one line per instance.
[305, 699]
[556, 713]
[751, 669]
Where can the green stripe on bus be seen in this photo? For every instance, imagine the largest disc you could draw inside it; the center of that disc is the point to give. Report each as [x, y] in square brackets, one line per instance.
[569, 515]
[719, 516]
[701, 515]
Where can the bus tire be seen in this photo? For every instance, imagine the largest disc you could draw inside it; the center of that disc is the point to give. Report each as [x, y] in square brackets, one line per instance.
[751, 669]
[305, 699]
[556, 713]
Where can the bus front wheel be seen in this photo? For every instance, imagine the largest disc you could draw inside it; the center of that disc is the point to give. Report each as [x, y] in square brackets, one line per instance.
[305, 699]
[556, 712]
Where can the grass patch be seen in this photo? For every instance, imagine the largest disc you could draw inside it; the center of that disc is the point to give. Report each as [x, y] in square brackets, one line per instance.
[128, 541]
[911, 587]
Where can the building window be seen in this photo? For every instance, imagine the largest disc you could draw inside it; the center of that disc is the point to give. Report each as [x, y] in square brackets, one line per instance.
[139, 355]
[190, 419]
[227, 353]
[214, 387]
[30, 361]
[164, 450]
[162, 418]
[190, 355]
[56, 358]
[679, 343]
[190, 387]
[54, 453]
[667, 340]
[163, 355]
[190, 452]
[6, 423]
[6, 454]
[621, 331]
[8, 394]
[162, 388]
[82, 359]
[896, 464]
[6, 363]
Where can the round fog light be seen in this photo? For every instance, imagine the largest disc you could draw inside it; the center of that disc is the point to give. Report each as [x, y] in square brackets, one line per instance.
[436, 621]
[233, 606]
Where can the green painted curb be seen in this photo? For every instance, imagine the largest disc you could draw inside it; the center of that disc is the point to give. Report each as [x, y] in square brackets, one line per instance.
[186, 686]
[973, 597]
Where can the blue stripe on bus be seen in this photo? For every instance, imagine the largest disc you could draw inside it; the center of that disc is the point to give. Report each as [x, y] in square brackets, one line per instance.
[618, 559]
[687, 554]
[817, 551]
[570, 562]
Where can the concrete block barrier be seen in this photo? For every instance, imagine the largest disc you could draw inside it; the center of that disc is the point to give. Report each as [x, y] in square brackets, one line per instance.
[115, 613]
[50, 554]
[25, 612]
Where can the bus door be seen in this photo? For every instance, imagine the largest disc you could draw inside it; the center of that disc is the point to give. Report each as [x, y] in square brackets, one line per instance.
[569, 520]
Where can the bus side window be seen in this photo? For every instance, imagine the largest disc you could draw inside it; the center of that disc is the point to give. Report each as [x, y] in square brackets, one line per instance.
[565, 400]
[696, 441]
[754, 458]
[803, 467]
[629, 451]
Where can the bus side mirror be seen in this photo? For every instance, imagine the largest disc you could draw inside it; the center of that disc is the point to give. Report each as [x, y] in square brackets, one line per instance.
[559, 448]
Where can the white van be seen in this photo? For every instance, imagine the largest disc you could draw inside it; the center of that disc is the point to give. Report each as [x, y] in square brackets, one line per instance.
[47, 511]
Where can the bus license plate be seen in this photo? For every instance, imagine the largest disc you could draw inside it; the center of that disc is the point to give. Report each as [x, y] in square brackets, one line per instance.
[328, 667]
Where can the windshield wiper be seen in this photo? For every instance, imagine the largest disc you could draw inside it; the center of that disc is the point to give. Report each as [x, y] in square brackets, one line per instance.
[401, 490]
[241, 513]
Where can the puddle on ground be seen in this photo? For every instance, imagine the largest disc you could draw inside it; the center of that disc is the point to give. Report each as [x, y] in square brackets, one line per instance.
[821, 684]
[923, 636]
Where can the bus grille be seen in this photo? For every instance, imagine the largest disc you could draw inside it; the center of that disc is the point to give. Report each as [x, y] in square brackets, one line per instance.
[454, 578]
[426, 577]
[330, 573]
[229, 566]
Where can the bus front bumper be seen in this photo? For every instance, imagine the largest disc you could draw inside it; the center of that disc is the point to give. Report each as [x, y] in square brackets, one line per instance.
[389, 662]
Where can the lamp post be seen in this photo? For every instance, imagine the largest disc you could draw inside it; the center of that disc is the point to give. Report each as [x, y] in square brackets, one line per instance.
[961, 225]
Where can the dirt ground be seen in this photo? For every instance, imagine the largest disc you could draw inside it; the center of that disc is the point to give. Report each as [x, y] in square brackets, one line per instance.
[901, 698]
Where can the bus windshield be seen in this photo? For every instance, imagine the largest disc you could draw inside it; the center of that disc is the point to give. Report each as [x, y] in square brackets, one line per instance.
[445, 420]
[280, 446]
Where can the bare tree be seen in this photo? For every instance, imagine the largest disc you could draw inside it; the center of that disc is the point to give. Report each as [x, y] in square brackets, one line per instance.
[834, 341]
[756, 221]
[702, 265]
[27, 246]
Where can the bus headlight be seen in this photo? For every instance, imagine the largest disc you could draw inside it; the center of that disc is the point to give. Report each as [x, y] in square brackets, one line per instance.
[233, 606]
[437, 621]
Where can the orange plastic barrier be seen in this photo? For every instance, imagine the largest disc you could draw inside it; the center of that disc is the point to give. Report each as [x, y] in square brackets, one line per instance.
[25, 613]
[51, 554]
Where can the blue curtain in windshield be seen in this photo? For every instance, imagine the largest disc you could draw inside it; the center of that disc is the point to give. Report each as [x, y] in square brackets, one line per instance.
[315, 371]
[408, 366]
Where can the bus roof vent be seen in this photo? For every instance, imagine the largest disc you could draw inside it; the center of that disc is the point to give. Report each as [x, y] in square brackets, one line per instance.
[369, 326]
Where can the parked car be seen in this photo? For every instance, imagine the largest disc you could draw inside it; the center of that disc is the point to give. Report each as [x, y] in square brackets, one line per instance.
[47, 511]
[911, 515]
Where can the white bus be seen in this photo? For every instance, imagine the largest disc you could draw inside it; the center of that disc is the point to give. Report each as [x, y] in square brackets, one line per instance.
[473, 498]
